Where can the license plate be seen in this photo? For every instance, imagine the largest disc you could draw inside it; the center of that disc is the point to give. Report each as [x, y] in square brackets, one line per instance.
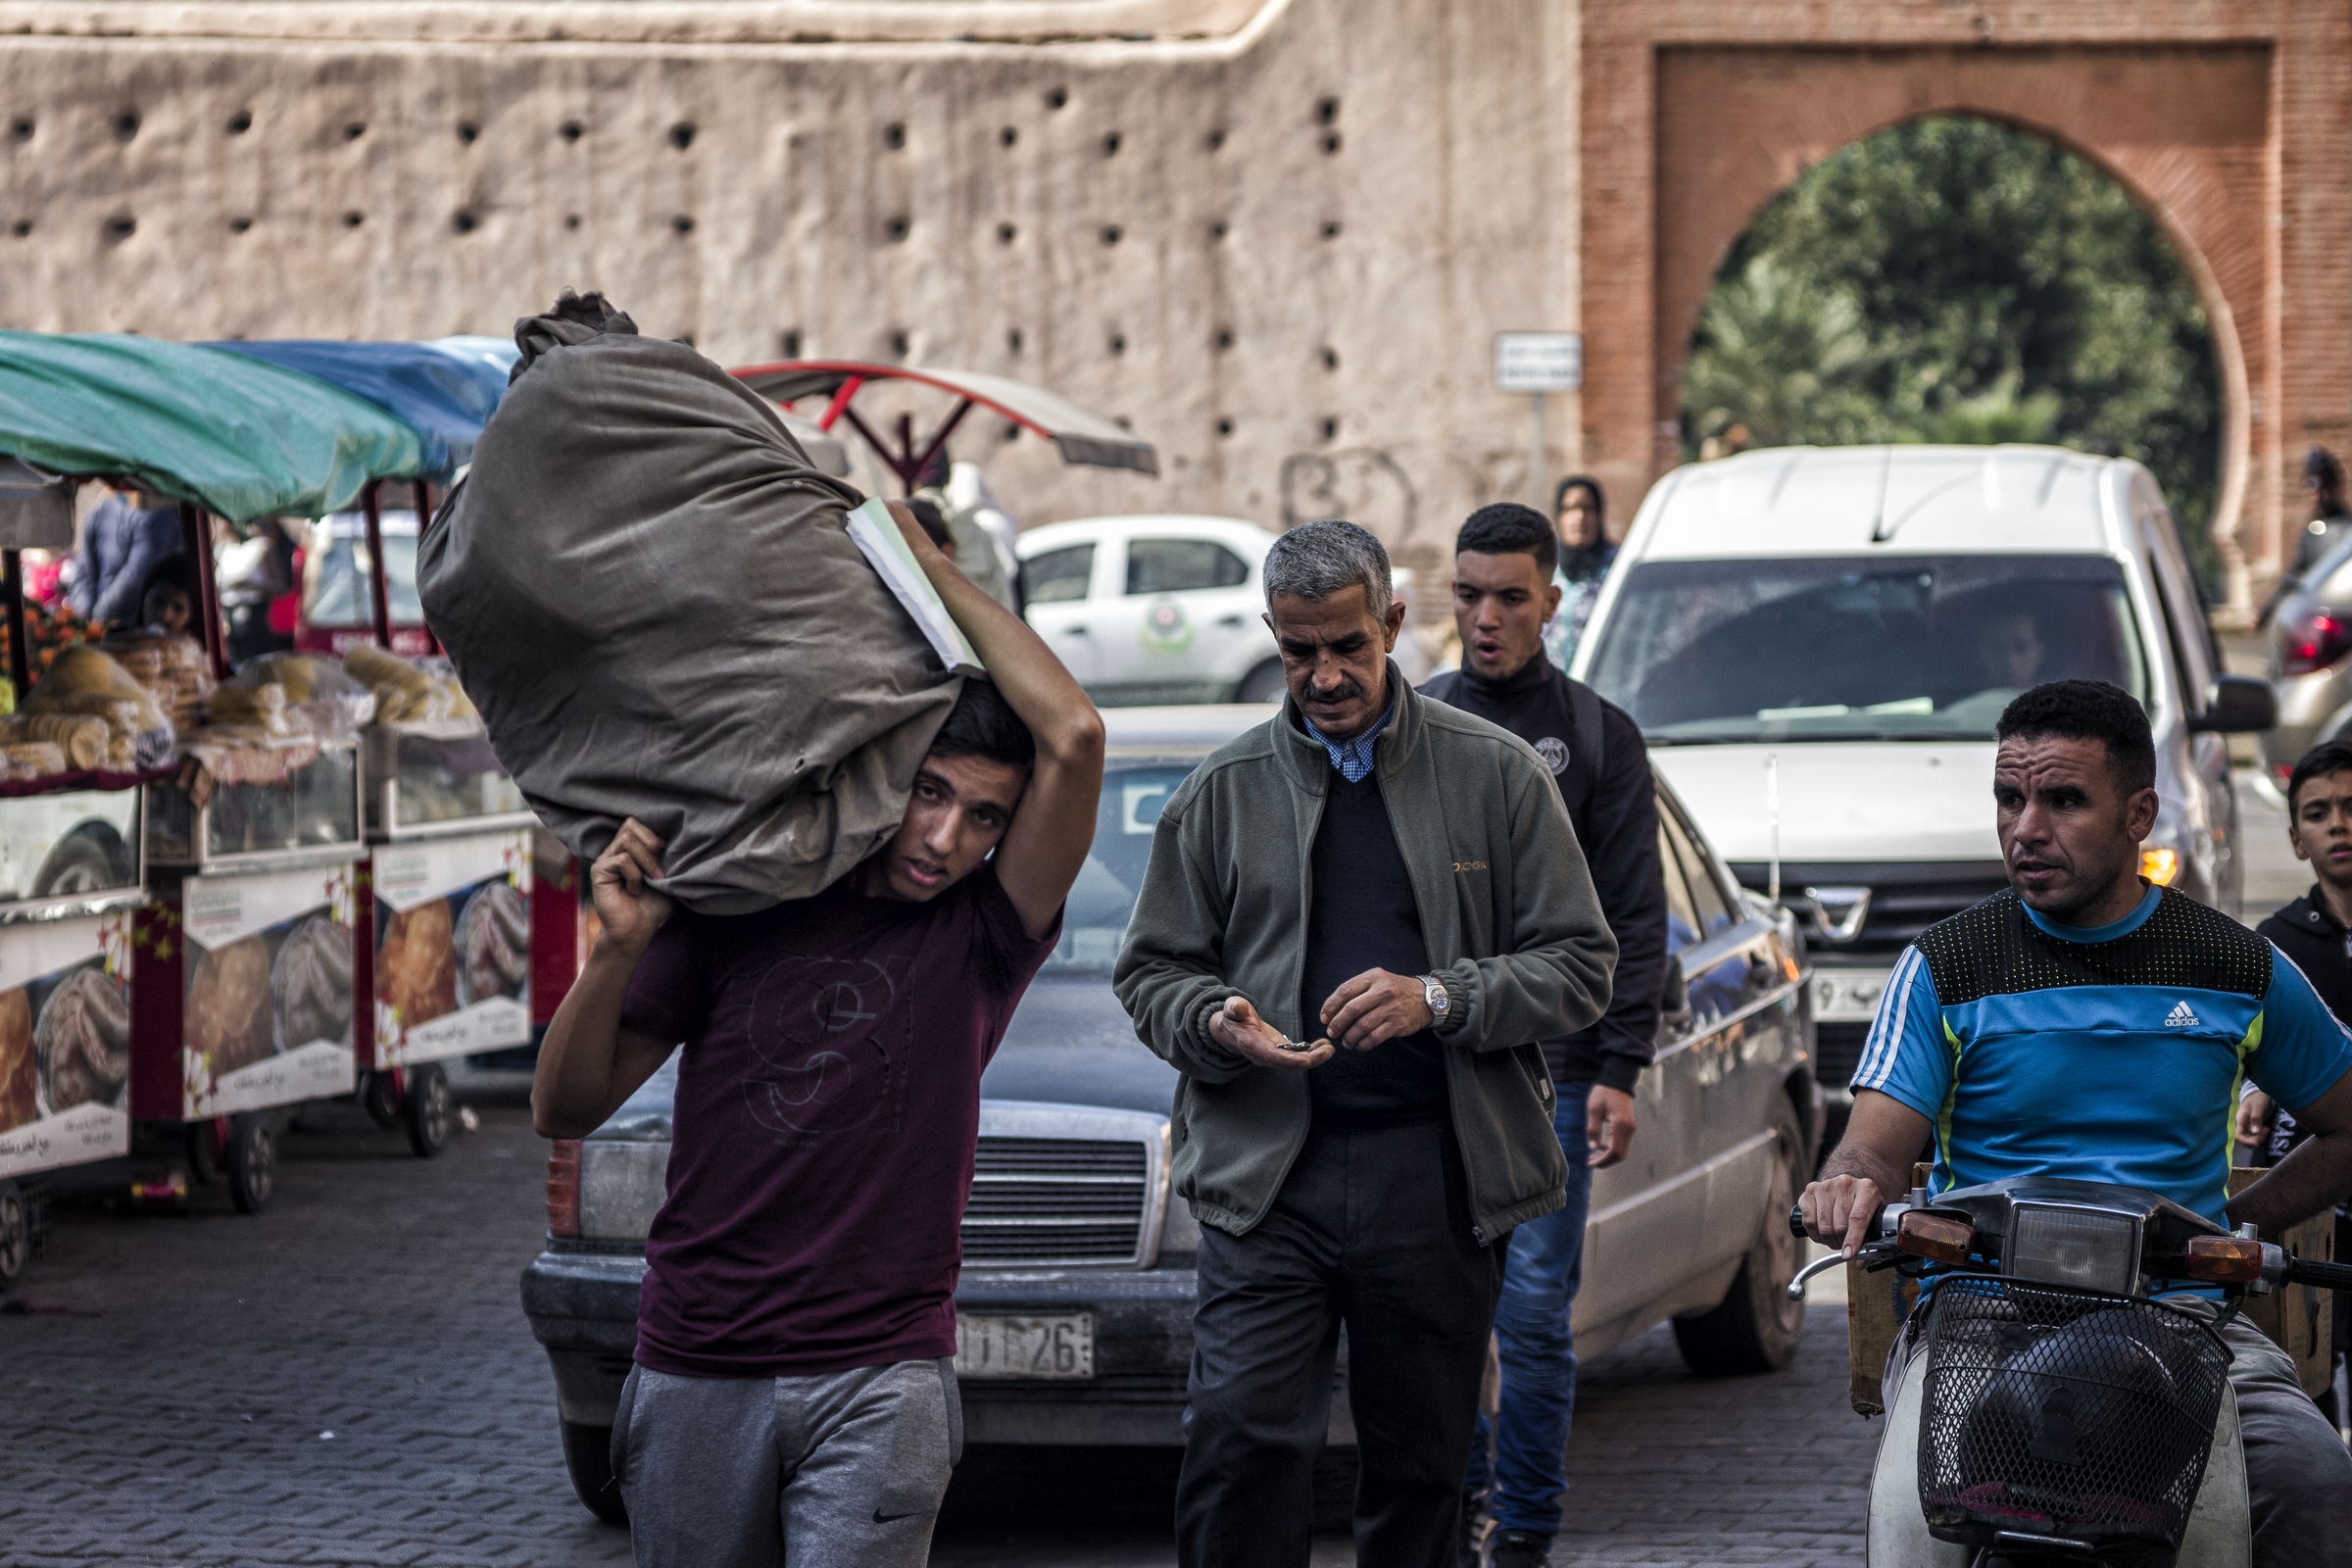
[1847, 995]
[992, 1346]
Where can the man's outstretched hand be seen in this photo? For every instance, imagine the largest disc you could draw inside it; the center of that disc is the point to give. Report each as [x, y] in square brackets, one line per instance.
[1238, 1029]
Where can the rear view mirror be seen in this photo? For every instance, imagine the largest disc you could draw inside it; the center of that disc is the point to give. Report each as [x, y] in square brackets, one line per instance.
[2237, 705]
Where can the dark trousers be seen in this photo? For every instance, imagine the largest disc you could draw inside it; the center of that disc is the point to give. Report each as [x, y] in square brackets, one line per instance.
[1371, 1229]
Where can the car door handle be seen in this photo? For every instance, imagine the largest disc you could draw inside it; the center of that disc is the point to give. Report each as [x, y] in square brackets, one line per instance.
[1074, 631]
[1229, 621]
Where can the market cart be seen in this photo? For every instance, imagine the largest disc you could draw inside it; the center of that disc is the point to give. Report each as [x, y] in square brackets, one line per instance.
[240, 957]
[69, 889]
[453, 941]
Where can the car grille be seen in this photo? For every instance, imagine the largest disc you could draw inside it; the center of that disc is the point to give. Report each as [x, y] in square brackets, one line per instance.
[1904, 900]
[1837, 1053]
[1056, 1201]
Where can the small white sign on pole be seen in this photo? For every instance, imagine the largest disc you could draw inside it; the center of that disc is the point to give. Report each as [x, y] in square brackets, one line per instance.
[1539, 362]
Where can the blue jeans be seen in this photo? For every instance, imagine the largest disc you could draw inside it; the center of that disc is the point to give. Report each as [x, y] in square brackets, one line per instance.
[1529, 1471]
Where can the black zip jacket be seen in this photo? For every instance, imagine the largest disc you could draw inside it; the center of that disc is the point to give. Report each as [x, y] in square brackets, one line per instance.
[1615, 814]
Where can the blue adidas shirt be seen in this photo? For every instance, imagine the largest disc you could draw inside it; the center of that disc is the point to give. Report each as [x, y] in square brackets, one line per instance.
[2111, 1053]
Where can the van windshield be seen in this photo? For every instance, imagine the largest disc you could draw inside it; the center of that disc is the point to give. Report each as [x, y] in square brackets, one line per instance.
[1916, 647]
[335, 571]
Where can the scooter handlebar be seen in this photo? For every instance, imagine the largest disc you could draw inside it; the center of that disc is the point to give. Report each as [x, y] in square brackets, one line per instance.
[2322, 1276]
[1797, 1221]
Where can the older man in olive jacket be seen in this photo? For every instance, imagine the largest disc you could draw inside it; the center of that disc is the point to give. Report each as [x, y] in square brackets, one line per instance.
[1357, 920]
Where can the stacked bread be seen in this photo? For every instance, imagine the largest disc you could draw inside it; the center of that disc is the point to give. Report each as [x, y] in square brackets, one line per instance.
[404, 693]
[318, 692]
[86, 683]
[259, 709]
[174, 669]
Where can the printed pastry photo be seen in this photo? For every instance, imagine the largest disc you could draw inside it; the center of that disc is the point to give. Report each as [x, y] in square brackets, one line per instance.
[493, 937]
[417, 968]
[313, 984]
[228, 1006]
[83, 1039]
[18, 1069]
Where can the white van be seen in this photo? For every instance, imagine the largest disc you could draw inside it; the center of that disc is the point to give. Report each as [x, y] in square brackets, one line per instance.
[1817, 644]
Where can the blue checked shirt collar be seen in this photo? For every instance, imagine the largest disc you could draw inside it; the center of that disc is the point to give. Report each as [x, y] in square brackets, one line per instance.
[1352, 757]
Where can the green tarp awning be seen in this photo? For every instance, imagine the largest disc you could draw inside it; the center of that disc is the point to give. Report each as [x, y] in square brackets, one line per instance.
[241, 438]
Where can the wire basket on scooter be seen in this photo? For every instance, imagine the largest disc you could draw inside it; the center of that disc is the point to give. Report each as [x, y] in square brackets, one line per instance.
[2065, 1413]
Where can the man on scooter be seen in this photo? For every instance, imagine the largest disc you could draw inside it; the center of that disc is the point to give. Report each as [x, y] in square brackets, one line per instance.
[2142, 1009]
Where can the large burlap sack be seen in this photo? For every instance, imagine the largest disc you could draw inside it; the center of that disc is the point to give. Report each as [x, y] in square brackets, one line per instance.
[646, 590]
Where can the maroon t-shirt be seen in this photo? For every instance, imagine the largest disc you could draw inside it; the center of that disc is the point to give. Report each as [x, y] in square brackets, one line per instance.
[827, 1107]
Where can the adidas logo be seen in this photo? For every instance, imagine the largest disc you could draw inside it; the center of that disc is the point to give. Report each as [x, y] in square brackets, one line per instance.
[2180, 1017]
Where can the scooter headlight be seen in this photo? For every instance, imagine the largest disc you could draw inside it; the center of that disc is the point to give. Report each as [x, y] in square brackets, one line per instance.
[2089, 1249]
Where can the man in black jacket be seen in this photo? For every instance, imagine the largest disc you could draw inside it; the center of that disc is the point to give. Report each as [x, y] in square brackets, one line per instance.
[1504, 594]
[2315, 932]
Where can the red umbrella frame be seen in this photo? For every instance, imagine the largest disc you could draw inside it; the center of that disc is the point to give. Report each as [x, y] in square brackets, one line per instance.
[1081, 435]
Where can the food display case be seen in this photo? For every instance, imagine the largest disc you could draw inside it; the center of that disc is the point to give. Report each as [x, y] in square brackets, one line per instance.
[70, 892]
[247, 948]
[432, 778]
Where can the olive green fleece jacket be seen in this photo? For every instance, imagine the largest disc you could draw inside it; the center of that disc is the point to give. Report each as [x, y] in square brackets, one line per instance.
[1507, 913]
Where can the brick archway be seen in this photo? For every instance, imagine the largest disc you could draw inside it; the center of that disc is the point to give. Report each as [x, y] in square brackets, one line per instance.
[2232, 137]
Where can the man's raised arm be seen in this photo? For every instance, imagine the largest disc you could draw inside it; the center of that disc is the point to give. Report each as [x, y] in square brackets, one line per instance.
[1054, 827]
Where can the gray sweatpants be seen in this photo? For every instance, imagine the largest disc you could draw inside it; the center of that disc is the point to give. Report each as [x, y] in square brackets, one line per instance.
[846, 1469]
[2298, 1474]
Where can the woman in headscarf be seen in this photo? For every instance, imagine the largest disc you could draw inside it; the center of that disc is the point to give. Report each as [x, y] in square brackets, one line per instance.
[1585, 556]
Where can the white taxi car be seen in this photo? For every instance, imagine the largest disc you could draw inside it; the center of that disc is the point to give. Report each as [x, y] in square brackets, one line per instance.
[1161, 609]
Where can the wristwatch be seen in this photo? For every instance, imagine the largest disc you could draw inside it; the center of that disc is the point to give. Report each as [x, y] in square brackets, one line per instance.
[1432, 992]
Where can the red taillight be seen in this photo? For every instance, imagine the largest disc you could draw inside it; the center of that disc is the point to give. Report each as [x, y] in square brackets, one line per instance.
[563, 1188]
[2315, 642]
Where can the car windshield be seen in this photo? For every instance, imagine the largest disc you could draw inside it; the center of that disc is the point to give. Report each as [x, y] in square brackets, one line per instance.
[334, 575]
[1095, 921]
[1917, 648]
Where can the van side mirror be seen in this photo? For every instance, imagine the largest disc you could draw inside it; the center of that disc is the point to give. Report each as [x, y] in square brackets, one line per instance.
[2237, 705]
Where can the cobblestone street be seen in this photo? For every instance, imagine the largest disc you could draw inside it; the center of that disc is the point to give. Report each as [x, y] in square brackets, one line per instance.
[172, 1384]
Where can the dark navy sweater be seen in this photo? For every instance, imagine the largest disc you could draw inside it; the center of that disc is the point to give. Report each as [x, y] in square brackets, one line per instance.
[1362, 916]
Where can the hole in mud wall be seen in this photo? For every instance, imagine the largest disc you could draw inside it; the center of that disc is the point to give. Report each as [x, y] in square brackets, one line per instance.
[894, 136]
[1327, 112]
[20, 128]
[1331, 358]
[20, 227]
[355, 130]
[1110, 233]
[571, 131]
[240, 123]
[464, 222]
[897, 229]
[682, 223]
[1331, 143]
[1118, 343]
[571, 221]
[468, 132]
[1057, 98]
[1013, 341]
[1224, 427]
[681, 135]
[1012, 431]
[1008, 136]
[355, 220]
[238, 225]
[1006, 233]
[1217, 231]
[1110, 145]
[126, 124]
[1216, 140]
[900, 344]
[1331, 429]
[1224, 339]
[122, 227]
[1331, 231]
[790, 344]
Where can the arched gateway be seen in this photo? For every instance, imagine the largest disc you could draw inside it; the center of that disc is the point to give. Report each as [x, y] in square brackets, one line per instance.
[2229, 122]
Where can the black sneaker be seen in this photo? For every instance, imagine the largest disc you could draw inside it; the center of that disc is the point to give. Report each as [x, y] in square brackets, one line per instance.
[1521, 1548]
